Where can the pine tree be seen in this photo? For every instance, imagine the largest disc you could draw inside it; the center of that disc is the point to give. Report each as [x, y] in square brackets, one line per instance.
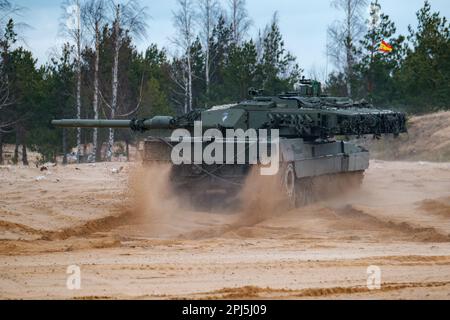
[198, 70]
[221, 42]
[154, 101]
[24, 80]
[424, 77]
[240, 71]
[278, 68]
[376, 68]
[7, 111]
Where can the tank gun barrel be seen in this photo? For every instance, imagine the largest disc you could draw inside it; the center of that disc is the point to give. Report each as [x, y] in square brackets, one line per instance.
[158, 122]
[84, 123]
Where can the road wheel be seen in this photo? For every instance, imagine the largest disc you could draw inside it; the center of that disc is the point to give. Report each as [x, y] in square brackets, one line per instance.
[289, 185]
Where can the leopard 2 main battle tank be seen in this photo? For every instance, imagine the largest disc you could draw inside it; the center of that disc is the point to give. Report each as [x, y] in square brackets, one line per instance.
[303, 130]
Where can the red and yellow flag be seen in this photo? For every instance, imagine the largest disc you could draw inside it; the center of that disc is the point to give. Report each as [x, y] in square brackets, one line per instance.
[385, 47]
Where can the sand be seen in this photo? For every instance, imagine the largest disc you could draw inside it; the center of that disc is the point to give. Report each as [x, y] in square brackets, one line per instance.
[132, 239]
[427, 139]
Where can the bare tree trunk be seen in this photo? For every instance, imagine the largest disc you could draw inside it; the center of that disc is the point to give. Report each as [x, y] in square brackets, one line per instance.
[234, 22]
[22, 139]
[78, 110]
[208, 18]
[183, 20]
[72, 12]
[370, 76]
[64, 145]
[208, 14]
[349, 49]
[100, 155]
[78, 93]
[207, 71]
[96, 90]
[186, 93]
[189, 80]
[115, 81]
[94, 18]
[1, 148]
[15, 158]
[240, 22]
[349, 77]
[24, 154]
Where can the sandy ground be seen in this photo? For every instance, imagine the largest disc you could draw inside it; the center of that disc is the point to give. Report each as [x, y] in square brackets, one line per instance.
[84, 215]
[428, 138]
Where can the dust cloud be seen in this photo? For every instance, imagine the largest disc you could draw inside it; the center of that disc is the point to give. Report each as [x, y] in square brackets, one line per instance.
[163, 213]
[337, 204]
[162, 210]
[150, 191]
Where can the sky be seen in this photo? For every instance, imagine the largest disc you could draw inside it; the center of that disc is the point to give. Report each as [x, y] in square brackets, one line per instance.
[303, 24]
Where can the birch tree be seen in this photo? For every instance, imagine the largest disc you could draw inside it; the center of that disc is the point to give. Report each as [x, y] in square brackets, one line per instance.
[94, 17]
[180, 94]
[128, 19]
[240, 21]
[344, 34]
[184, 24]
[208, 15]
[71, 27]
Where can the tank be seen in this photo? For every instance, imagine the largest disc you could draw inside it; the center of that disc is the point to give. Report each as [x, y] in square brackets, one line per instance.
[212, 151]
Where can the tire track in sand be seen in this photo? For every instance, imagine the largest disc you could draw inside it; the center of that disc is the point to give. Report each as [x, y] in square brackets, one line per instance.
[254, 292]
[117, 218]
[417, 233]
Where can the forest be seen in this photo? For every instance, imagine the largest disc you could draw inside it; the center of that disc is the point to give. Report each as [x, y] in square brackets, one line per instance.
[99, 73]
